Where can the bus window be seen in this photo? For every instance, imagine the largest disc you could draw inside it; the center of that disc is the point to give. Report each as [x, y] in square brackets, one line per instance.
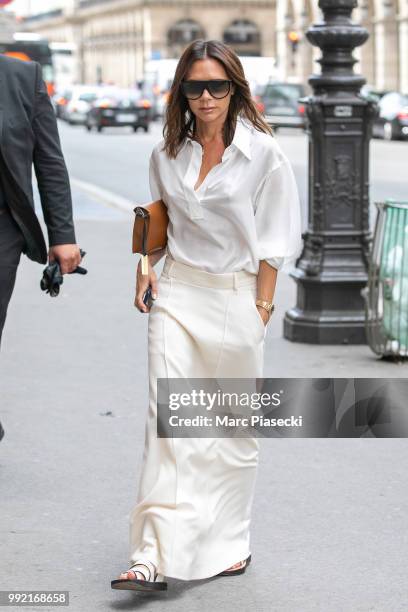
[27, 48]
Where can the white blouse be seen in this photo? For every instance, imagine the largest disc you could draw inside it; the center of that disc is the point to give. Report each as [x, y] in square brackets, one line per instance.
[246, 209]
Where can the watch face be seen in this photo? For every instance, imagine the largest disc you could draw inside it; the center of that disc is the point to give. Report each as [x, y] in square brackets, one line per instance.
[266, 305]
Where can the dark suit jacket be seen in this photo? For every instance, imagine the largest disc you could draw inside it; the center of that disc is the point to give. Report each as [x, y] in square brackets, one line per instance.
[29, 135]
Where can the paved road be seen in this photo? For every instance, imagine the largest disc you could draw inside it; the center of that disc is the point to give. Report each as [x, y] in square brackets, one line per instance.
[329, 516]
[117, 160]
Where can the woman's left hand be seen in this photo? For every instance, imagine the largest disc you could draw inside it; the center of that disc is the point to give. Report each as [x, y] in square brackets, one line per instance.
[264, 314]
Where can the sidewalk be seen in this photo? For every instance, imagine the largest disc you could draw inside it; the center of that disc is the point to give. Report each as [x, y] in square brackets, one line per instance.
[328, 514]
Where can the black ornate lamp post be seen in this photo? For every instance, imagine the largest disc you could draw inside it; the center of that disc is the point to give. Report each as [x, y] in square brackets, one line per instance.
[332, 268]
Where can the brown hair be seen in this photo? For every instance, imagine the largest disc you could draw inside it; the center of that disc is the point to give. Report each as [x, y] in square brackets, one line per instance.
[180, 120]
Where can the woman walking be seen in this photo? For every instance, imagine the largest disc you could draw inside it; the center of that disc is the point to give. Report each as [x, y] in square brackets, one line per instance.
[234, 220]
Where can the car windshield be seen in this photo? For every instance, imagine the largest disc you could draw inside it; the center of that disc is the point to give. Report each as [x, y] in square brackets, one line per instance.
[119, 97]
[291, 93]
[106, 90]
[87, 96]
[130, 95]
[392, 102]
[123, 97]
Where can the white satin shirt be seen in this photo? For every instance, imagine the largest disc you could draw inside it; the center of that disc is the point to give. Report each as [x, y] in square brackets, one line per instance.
[246, 209]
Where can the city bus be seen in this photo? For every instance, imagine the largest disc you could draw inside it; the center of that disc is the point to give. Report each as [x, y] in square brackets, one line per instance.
[65, 64]
[29, 46]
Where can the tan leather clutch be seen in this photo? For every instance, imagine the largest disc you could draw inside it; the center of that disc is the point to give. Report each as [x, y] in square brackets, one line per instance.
[149, 230]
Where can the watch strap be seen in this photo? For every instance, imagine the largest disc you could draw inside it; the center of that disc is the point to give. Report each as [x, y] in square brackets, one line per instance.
[269, 306]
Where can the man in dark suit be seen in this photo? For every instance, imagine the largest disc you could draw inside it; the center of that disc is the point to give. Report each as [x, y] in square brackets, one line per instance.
[29, 135]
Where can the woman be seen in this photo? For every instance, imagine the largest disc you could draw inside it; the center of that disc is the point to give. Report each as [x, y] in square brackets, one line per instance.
[234, 220]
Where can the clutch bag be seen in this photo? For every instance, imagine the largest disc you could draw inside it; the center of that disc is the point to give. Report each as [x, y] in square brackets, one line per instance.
[149, 230]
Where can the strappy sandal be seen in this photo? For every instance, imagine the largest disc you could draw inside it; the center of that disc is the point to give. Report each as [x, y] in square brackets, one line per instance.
[136, 584]
[239, 570]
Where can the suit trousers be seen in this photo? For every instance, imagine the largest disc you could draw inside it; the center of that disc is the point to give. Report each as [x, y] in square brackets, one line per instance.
[193, 510]
[12, 243]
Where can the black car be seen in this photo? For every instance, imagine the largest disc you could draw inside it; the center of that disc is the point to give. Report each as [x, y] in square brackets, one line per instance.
[392, 120]
[118, 108]
[281, 106]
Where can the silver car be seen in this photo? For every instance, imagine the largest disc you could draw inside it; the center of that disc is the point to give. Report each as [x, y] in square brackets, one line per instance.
[80, 99]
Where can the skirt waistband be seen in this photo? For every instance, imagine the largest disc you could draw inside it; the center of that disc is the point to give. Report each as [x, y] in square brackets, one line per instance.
[197, 276]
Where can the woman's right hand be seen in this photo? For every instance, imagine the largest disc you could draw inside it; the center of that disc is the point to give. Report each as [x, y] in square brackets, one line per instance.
[142, 283]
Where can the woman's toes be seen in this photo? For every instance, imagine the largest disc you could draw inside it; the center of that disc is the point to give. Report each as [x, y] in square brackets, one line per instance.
[237, 565]
[128, 575]
[131, 574]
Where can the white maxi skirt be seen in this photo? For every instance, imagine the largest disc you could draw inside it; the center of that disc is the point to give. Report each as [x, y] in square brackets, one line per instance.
[193, 510]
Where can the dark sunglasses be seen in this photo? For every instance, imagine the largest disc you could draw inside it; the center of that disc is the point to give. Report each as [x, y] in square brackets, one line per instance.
[217, 88]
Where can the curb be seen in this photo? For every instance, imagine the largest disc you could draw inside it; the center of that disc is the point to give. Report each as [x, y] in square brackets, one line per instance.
[104, 195]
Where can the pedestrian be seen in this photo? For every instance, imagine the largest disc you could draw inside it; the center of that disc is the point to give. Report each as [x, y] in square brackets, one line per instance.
[234, 221]
[29, 134]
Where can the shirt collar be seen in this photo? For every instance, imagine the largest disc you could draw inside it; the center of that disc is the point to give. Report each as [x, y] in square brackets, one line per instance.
[242, 137]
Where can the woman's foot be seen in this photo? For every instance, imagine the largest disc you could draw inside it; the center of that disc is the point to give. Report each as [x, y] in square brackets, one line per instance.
[133, 573]
[237, 568]
[142, 576]
[237, 565]
[140, 571]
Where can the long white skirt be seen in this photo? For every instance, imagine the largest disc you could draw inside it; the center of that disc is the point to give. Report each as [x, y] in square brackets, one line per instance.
[193, 511]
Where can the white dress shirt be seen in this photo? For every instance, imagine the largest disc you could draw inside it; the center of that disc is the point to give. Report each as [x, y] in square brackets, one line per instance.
[246, 209]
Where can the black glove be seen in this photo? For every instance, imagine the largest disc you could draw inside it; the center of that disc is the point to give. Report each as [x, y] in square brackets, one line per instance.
[52, 278]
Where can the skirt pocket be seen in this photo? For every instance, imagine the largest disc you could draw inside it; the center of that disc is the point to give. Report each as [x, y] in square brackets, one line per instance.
[259, 321]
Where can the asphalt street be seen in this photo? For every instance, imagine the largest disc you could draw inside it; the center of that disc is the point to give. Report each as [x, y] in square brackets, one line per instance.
[117, 160]
[330, 516]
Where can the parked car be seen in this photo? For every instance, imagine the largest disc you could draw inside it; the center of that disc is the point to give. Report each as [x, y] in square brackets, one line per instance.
[151, 92]
[257, 94]
[369, 92]
[162, 99]
[78, 102]
[118, 108]
[280, 104]
[392, 120]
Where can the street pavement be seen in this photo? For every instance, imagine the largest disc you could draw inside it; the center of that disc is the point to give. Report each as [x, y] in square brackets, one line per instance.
[117, 161]
[329, 520]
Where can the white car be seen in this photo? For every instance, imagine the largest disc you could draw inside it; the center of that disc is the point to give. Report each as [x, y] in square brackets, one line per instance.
[79, 101]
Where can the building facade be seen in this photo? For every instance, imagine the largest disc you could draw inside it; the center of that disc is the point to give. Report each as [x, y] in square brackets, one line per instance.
[115, 38]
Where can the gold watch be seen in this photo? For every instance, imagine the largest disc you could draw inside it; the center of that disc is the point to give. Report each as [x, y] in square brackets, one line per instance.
[267, 305]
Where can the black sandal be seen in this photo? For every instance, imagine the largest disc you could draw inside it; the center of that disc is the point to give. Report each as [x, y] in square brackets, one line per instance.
[136, 584]
[239, 570]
